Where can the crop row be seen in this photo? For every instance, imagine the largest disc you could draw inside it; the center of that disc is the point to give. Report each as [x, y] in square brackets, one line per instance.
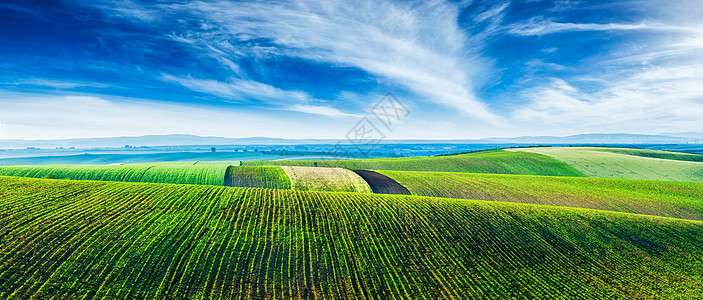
[83, 239]
[499, 162]
[207, 173]
[261, 177]
[621, 163]
[325, 179]
[659, 198]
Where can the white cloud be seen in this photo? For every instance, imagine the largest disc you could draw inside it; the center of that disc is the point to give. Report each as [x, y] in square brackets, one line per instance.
[128, 9]
[492, 13]
[321, 110]
[58, 84]
[541, 26]
[30, 116]
[418, 46]
[242, 90]
[540, 64]
[649, 101]
[648, 85]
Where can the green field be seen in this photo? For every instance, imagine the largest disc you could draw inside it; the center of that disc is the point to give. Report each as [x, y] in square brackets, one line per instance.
[621, 163]
[261, 177]
[210, 173]
[497, 161]
[668, 199]
[87, 239]
[325, 179]
[655, 153]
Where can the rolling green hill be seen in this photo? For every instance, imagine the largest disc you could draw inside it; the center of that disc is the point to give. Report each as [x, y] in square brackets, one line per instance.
[622, 163]
[325, 179]
[497, 161]
[90, 239]
[659, 198]
[210, 173]
[654, 153]
[261, 177]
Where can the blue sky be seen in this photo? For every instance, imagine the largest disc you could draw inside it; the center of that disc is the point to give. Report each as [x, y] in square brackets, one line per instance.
[312, 69]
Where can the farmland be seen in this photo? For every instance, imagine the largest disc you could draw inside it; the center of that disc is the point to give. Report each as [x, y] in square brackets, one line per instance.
[210, 173]
[654, 153]
[669, 199]
[325, 179]
[88, 239]
[261, 177]
[497, 161]
[601, 162]
[382, 184]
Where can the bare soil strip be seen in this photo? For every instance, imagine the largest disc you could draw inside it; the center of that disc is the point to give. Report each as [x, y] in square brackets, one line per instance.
[382, 184]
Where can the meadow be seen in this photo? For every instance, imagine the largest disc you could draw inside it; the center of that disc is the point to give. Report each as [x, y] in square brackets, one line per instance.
[261, 177]
[625, 163]
[495, 161]
[654, 153]
[93, 239]
[208, 173]
[325, 179]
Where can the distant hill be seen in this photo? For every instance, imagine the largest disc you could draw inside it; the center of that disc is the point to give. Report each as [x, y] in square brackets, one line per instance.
[187, 139]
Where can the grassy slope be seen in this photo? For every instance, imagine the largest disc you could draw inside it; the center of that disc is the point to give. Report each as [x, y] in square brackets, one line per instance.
[71, 239]
[262, 177]
[669, 199]
[210, 173]
[597, 163]
[501, 162]
[325, 179]
[655, 153]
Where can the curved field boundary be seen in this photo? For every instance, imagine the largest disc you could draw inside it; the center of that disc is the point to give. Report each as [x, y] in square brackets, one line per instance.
[672, 155]
[497, 162]
[595, 162]
[115, 240]
[659, 198]
[261, 177]
[325, 179]
[209, 173]
[382, 184]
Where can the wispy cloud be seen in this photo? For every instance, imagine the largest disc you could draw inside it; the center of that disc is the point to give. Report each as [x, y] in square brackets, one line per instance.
[636, 107]
[537, 26]
[417, 46]
[321, 110]
[57, 84]
[649, 100]
[239, 89]
[35, 116]
[492, 13]
[625, 65]
[127, 9]
[648, 86]
[242, 90]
